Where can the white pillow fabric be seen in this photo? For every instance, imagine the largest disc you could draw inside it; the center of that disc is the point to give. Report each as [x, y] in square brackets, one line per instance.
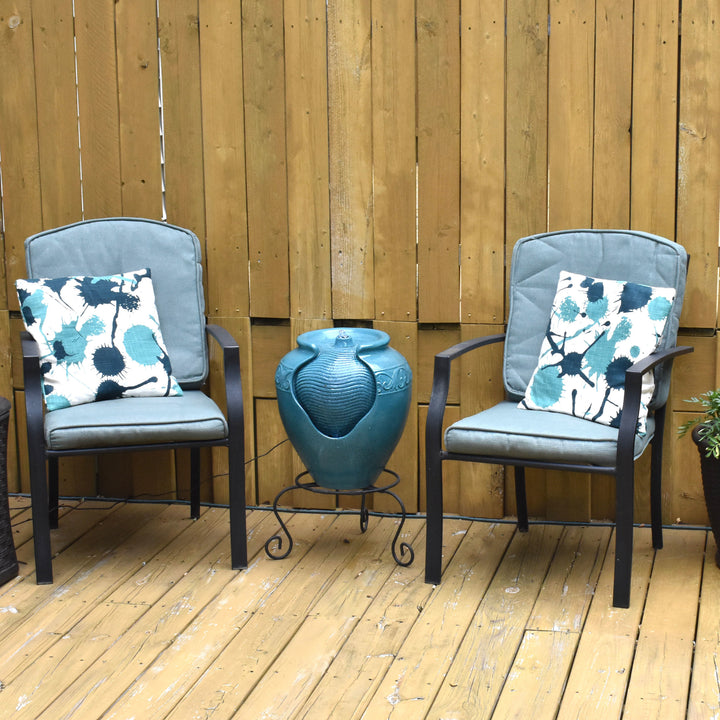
[598, 328]
[99, 338]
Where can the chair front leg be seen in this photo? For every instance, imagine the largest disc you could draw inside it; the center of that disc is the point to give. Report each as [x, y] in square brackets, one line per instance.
[656, 461]
[624, 498]
[434, 528]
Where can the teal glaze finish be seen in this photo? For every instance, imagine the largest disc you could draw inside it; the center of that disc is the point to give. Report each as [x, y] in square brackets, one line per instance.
[344, 396]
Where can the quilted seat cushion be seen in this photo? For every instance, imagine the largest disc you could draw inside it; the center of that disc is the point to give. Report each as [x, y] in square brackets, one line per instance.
[192, 416]
[511, 432]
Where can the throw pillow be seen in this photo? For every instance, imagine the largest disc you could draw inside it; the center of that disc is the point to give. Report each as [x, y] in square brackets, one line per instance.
[99, 338]
[598, 329]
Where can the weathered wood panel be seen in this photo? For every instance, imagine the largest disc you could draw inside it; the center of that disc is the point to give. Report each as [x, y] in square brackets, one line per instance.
[438, 60]
[370, 163]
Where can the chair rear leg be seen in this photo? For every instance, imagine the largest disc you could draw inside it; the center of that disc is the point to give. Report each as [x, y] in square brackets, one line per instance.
[53, 492]
[521, 499]
[195, 483]
[434, 527]
[656, 460]
[40, 516]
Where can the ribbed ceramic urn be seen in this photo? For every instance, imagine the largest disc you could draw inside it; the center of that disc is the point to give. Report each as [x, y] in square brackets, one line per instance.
[344, 396]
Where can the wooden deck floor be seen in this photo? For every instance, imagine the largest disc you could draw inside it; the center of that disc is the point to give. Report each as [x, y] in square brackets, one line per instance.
[146, 620]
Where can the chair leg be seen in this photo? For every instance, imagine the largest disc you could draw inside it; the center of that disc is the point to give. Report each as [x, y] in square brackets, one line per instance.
[656, 460]
[195, 483]
[434, 527]
[624, 497]
[521, 499]
[40, 516]
[238, 521]
[53, 491]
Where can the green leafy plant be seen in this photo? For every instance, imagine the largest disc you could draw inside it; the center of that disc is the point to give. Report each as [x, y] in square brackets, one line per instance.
[709, 422]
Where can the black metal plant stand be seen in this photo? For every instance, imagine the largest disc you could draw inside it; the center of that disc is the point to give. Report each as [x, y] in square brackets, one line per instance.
[405, 548]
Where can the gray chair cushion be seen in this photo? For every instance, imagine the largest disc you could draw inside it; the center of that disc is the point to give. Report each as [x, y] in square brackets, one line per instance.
[511, 432]
[609, 254]
[136, 421]
[107, 246]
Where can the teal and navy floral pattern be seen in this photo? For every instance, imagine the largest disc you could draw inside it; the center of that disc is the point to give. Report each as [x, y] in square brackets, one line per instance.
[597, 330]
[99, 338]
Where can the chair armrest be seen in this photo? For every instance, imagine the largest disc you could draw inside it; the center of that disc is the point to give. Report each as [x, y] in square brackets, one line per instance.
[231, 371]
[441, 384]
[633, 390]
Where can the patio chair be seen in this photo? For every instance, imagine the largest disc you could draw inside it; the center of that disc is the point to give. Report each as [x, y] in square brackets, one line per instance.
[577, 396]
[120, 374]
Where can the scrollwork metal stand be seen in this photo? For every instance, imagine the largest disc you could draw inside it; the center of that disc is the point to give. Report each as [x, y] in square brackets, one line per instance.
[277, 540]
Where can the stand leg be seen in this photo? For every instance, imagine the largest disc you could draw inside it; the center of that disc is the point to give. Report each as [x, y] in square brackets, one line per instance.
[278, 538]
[364, 515]
[404, 547]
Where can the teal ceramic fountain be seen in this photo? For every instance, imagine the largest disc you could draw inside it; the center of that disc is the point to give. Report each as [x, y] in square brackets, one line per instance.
[344, 396]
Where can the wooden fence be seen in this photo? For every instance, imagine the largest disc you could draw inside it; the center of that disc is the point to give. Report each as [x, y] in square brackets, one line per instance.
[367, 162]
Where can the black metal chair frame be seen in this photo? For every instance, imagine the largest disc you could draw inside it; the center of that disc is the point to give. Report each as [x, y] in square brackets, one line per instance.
[44, 482]
[623, 469]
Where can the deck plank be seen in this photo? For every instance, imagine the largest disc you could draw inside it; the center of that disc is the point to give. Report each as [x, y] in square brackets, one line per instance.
[660, 677]
[147, 619]
[207, 603]
[360, 666]
[78, 647]
[704, 702]
[415, 676]
[229, 689]
[477, 675]
[598, 680]
[255, 642]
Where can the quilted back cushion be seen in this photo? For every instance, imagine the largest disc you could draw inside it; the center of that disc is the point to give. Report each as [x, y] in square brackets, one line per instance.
[116, 245]
[613, 254]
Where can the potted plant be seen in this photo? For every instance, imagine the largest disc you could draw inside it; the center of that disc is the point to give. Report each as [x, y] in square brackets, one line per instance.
[706, 435]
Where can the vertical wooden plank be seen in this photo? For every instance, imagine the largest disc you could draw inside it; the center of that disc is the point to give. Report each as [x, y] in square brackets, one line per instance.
[138, 88]
[306, 103]
[438, 63]
[98, 104]
[482, 487]
[21, 208]
[404, 460]
[613, 104]
[394, 159]
[526, 123]
[57, 112]
[432, 340]
[350, 134]
[698, 181]
[694, 374]
[264, 95]
[482, 150]
[274, 460]
[570, 113]
[654, 128]
[224, 158]
[570, 154]
[240, 330]
[178, 29]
